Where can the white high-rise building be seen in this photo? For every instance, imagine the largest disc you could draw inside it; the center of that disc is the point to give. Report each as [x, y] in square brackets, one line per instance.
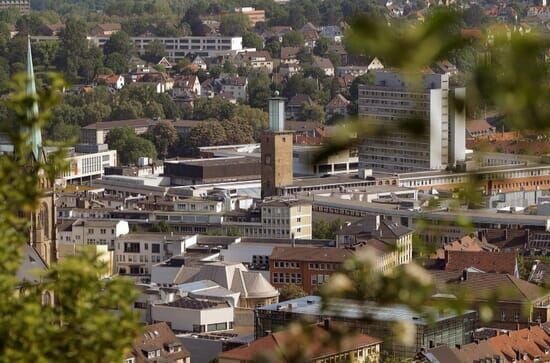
[389, 101]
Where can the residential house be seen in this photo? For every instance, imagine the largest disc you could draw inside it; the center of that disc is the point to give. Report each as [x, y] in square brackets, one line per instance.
[257, 60]
[483, 261]
[157, 343]
[209, 88]
[114, 81]
[253, 15]
[289, 69]
[339, 50]
[235, 87]
[186, 84]
[360, 348]
[466, 243]
[325, 64]
[518, 303]
[160, 81]
[289, 55]
[445, 67]
[479, 128]
[311, 35]
[105, 30]
[164, 63]
[531, 344]
[200, 63]
[332, 32]
[138, 65]
[296, 104]
[338, 106]
[52, 30]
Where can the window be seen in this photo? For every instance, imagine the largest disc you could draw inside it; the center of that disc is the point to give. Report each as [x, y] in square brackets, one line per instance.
[155, 248]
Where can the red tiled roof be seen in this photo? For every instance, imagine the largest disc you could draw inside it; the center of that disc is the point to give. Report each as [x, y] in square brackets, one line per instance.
[338, 101]
[500, 262]
[318, 347]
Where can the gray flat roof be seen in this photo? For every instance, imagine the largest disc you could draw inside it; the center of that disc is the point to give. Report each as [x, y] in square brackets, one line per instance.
[311, 305]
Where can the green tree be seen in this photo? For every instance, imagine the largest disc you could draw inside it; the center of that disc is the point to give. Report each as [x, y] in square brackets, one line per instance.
[253, 40]
[117, 63]
[312, 112]
[291, 291]
[238, 131]
[321, 46]
[164, 136]
[229, 67]
[259, 90]
[129, 146]
[293, 39]
[154, 51]
[127, 110]
[153, 110]
[45, 53]
[236, 24]
[119, 43]
[73, 48]
[161, 227]
[326, 230]
[66, 331]
[208, 133]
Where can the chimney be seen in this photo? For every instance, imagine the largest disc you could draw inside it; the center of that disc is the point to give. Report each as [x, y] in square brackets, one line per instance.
[326, 324]
[293, 241]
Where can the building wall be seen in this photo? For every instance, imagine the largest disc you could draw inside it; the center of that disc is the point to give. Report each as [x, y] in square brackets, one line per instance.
[190, 319]
[276, 162]
[89, 165]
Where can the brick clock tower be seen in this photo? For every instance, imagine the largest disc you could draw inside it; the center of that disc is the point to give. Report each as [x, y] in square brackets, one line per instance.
[276, 150]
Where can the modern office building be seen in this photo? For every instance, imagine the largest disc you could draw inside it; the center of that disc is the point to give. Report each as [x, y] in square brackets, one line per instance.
[276, 151]
[392, 100]
[87, 162]
[377, 321]
[176, 47]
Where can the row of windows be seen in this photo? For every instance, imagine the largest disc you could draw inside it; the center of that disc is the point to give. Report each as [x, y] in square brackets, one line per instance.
[324, 266]
[101, 231]
[287, 278]
[286, 264]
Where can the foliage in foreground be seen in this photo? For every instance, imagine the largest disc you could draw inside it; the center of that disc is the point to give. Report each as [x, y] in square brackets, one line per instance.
[81, 325]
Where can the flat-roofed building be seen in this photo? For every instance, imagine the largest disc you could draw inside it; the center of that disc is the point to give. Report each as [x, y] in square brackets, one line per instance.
[24, 6]
[97, 132]
[450, 329]
[390, 100]
[213, 170]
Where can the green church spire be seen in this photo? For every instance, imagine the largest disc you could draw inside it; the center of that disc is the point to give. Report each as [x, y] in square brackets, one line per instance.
[35, 138]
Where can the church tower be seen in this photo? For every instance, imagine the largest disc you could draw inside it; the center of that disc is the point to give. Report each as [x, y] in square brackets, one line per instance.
[42, 234]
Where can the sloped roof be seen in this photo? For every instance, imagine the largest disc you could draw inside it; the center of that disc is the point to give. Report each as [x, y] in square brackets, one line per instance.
[322, 63]
[299, 100]
[289, 52]
[157, 337]
[478, 126]
[483, 285]
[110, 26]
[230, 275]
[501, 262]
[338, 101]
[31, 266]
[317, 347]
[540, 274]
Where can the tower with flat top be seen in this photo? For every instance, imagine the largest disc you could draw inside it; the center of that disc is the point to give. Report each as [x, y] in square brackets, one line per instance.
[276, 150]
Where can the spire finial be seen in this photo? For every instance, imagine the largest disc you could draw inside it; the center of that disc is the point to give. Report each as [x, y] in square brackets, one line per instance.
[35, 138]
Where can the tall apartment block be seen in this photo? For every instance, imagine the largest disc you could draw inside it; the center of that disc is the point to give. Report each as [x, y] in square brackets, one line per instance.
[276, 150]
[389, 101]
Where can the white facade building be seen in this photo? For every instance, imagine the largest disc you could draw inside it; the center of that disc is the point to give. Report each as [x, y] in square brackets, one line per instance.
[93, 231]
[193, 315]
[86, 166]
[136, 253]
[390, 101]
